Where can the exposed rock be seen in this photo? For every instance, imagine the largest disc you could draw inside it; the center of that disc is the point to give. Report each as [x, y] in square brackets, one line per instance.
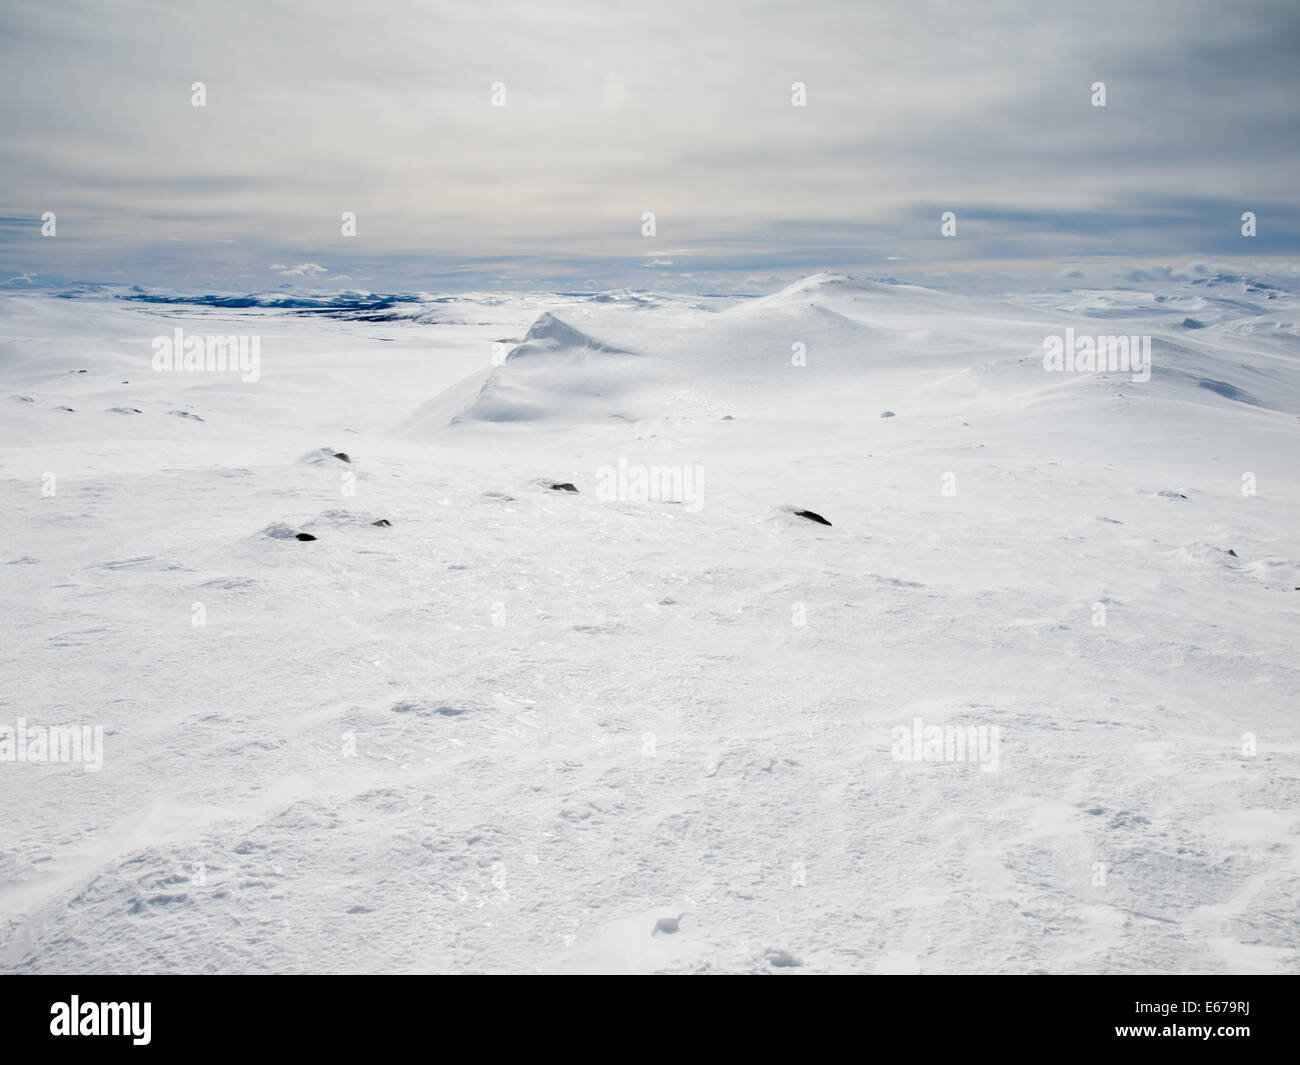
[304, 536]
[811, 516]
[565, 487]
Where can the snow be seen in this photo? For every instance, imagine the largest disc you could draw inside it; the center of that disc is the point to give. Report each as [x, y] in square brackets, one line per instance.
[528, 730]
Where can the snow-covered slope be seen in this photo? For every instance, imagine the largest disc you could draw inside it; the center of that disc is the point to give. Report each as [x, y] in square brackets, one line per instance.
[528, 729]
[556, 373]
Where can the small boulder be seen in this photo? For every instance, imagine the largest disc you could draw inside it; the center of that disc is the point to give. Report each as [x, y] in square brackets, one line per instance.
[304, 536]
[811, 515]
[565, 487]
[343, 455]
[383, 522]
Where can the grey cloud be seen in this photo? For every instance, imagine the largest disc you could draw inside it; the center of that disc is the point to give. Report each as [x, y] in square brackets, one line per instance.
[914, 107]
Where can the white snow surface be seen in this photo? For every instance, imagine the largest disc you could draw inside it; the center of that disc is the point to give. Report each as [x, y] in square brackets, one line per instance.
[527, 730]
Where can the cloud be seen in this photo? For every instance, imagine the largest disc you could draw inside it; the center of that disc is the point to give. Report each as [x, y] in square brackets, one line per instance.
[1157, 272]
[301, 270]
[914, 107]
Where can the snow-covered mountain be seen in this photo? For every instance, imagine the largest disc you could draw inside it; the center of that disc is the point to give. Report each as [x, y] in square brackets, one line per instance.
[661, 722]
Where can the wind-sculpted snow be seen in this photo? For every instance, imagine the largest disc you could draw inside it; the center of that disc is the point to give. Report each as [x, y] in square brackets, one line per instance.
[557, 373]
[549, 335]
[505, 636]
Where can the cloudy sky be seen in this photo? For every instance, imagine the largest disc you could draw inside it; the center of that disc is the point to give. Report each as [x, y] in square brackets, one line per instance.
[613, 109]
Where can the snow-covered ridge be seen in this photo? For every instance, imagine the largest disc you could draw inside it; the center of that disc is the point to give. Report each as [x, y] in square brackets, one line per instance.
[549, 334]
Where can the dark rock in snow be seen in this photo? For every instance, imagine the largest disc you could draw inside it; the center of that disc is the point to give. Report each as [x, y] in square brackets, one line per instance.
[383, 522]
[811, 516]
[343, 455]
[1192, 323]
[304, 536]
[565, 487]
[888, 414]
[1232, 552]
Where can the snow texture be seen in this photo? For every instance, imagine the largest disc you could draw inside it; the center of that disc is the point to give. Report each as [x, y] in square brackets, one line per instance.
[480, 725]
